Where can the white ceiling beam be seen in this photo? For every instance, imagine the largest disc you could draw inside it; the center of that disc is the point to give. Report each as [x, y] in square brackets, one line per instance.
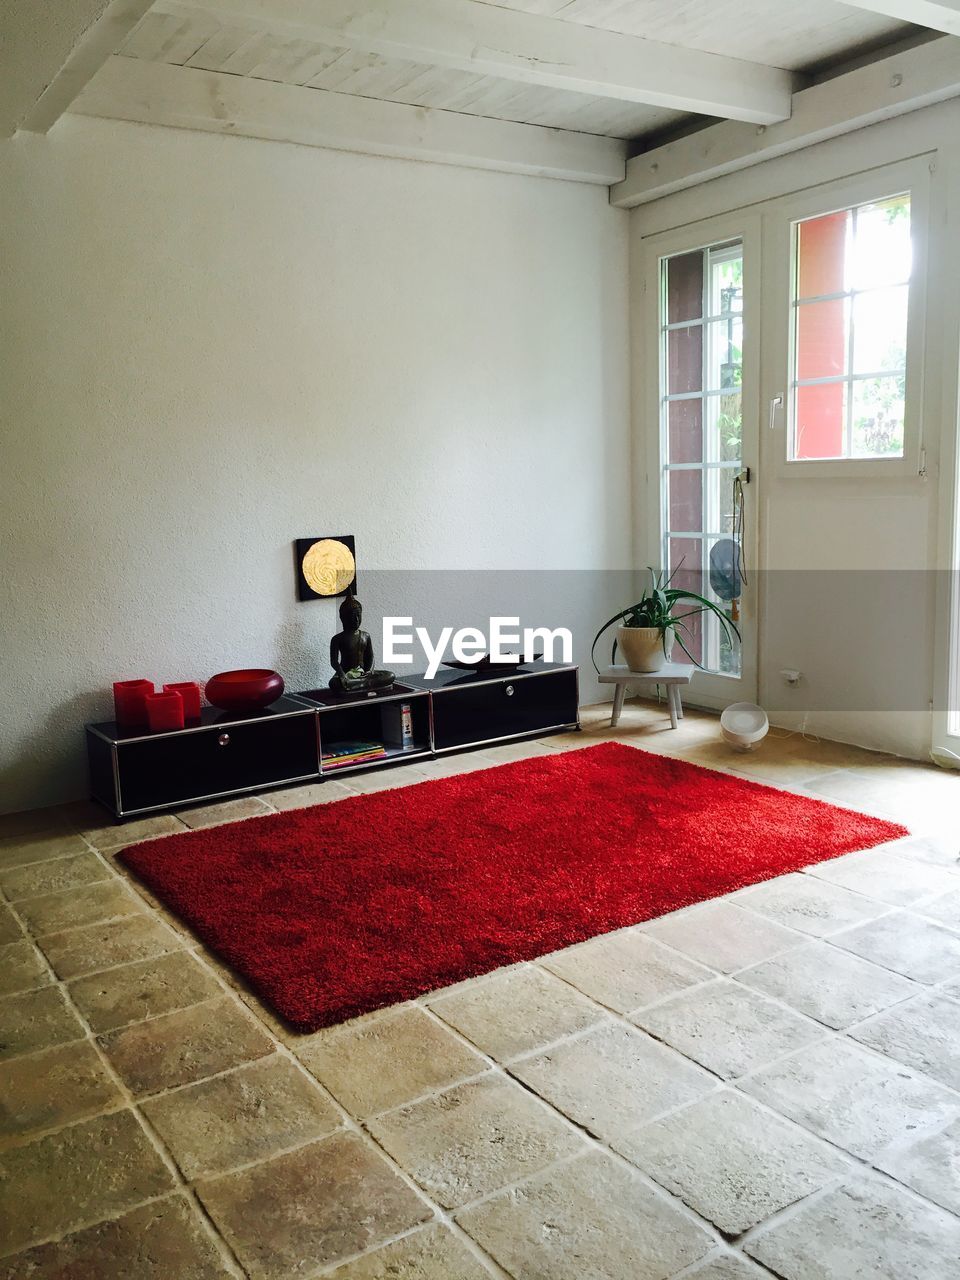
[938, 15]
[187, 98]
[92, 47]
[906, 81]
[527, 48]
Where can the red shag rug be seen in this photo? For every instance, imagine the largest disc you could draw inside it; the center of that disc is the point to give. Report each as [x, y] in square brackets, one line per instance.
[348, 906]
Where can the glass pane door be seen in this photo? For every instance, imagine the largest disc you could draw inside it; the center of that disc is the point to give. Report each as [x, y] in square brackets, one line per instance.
[701, 384]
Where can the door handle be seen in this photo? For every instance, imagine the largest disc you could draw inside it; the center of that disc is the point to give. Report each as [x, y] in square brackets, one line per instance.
[775, 404]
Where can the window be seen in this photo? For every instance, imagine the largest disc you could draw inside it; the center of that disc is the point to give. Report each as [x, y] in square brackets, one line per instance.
[701, 329]
[851, 272]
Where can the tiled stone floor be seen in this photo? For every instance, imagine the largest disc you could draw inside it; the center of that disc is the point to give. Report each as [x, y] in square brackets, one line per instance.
[764, 1085]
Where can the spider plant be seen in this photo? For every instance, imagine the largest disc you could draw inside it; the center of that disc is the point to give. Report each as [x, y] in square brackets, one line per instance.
[657, 608]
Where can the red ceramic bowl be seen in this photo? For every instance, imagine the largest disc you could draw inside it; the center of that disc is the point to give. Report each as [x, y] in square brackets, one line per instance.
[244, 690]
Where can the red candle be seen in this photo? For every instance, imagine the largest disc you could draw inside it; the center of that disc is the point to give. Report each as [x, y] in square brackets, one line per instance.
[189, 691]
[128, 700]
[164, 711]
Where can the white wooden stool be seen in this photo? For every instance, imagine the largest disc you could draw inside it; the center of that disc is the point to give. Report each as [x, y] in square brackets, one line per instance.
[671, 675]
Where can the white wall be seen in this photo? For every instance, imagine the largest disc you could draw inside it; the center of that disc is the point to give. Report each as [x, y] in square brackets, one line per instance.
[214, 345]
[868, 649]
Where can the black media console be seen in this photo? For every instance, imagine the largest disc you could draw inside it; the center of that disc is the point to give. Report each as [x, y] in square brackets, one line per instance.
[301, 737]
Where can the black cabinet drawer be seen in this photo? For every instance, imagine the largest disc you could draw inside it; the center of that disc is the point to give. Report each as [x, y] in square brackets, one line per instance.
[182, 767]
[503, 709]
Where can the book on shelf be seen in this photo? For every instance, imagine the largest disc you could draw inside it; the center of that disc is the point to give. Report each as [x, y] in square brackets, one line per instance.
[340, 754]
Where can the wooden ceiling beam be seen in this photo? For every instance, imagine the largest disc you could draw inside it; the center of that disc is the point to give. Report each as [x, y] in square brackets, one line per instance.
[526, 48]
[938, 15]
[882, 90]
[188, 98]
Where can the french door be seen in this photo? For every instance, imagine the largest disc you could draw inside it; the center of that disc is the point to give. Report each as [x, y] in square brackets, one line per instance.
[699, 418]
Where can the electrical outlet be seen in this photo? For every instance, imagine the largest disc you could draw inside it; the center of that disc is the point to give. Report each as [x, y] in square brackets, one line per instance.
[791, 676]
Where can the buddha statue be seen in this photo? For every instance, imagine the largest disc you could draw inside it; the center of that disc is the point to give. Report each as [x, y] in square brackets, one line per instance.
[351, 654]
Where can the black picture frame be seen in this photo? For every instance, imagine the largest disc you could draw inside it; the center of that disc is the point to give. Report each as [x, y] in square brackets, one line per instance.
[302, 546]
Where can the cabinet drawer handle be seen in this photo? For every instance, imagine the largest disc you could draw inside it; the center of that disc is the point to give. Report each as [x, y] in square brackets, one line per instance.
[223, 740]
[509, 691]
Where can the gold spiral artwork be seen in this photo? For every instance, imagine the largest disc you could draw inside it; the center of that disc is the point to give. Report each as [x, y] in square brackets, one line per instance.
[329, 567]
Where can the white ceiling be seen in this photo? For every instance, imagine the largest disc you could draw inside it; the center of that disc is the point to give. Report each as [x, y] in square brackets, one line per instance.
[773, 32]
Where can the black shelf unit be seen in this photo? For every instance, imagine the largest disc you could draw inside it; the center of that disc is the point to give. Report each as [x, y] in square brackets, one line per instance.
[135, 771]
[351, 717]
[476, 709]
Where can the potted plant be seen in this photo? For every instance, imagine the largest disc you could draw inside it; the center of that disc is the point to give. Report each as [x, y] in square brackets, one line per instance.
[647, 629]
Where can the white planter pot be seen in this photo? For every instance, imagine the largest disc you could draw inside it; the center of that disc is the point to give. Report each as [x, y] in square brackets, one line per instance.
[643, 647]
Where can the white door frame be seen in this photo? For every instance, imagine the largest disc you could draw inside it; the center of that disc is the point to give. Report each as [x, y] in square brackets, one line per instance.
[707, 689]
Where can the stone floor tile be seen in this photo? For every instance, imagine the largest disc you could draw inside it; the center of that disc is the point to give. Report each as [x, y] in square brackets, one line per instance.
[887, 876]
[53, 1088]
[25, 850]
[132, 992]
[727, 1028]
[22, 968]
[303, 797]
[722, 935]
[942, 850]
[311, 1207]
[931, 1167]
[732, 1161]
[833, 986]
[473, 1139]
[10, 930]
[906, 944]
[185, 1046]
[867, 1229]
[625, 970]
[852, 1098]
[163, 1240]
[612, 1079]
[923, 1034]
[75, 952]
[36, 1020]
[212, 815]
[456, 764]
[810, 905]
[368, 780]
[726, 1266]
[54, 876]
[116, 835]
[506, 752]
[71, 908]
[29, 823]
[432, 1253]
[944, 910]
[517, 1012]
[587, 1219]
[243, 1116]
[93, 1170]
[375, 1064]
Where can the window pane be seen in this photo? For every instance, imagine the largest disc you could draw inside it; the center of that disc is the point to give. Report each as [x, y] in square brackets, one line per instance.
[820, 417]
[821, 250]
[729, 427]
[822, 329]
[725, 354]
[719, 514]
[684, 359]
[685, 287]
[880, 330]
[685, 431]
[685, 561]
[878, 417]
[881, 251]
[685, 511]
[723, 651]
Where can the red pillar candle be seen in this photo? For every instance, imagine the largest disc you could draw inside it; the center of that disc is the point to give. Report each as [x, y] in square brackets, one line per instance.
[164, 711]
[189, 691]
[129, 703]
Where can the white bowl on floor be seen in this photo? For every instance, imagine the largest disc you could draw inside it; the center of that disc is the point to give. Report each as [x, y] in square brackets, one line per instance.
[743, 725]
